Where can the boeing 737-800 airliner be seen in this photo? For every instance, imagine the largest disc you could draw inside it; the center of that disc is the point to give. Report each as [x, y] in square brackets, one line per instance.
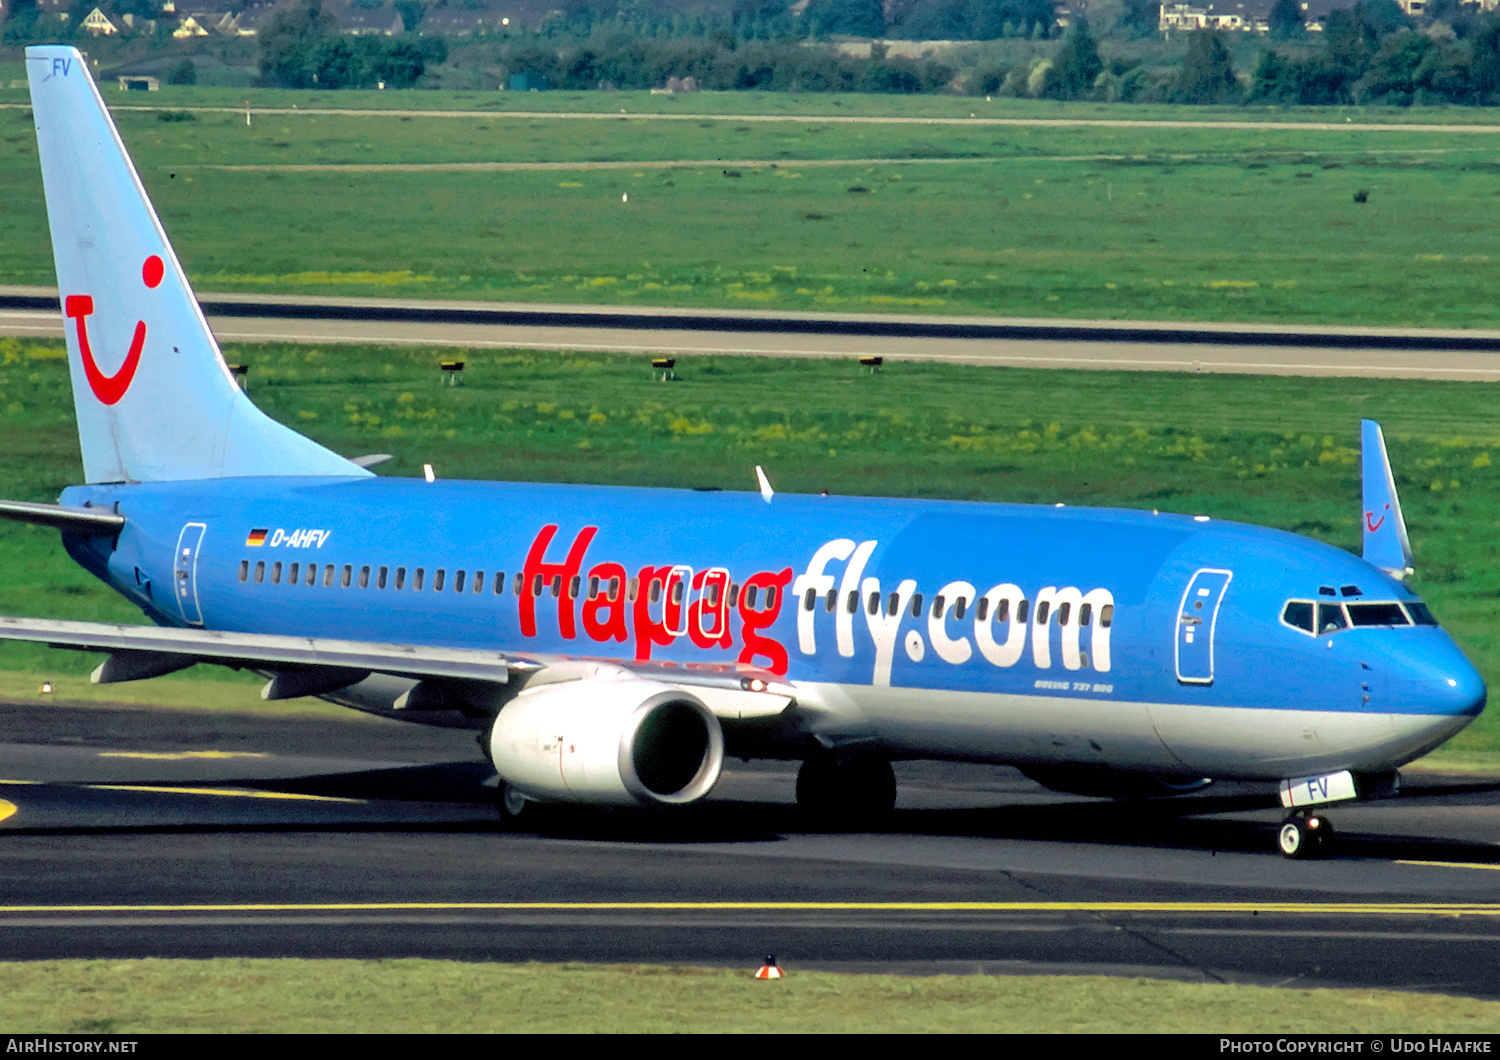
[614, 644]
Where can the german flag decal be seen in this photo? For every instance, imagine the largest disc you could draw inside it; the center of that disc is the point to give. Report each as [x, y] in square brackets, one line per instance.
[256, 539]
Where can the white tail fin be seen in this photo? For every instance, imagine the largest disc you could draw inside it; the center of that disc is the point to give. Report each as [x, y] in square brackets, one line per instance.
[155, 400]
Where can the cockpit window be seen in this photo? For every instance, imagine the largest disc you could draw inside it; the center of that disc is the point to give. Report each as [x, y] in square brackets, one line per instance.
[1320, 617]
[1331, 617]
[1419, 613]
[1298, 613]
[1388, 614]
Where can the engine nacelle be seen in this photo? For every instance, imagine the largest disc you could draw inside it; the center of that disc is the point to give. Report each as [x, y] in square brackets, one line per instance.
[620, 742]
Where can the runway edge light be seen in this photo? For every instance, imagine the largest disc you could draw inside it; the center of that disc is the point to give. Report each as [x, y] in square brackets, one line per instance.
[769, 970]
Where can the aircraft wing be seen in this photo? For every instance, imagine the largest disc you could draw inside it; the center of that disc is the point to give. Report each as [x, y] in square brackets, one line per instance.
[261, 650]
[311, 665]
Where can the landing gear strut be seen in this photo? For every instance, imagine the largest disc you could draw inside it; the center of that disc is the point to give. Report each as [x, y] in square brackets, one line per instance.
[846, 792]
[1305, 836]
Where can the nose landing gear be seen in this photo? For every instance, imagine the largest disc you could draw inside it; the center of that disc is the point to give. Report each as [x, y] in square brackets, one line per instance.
[1305, 836]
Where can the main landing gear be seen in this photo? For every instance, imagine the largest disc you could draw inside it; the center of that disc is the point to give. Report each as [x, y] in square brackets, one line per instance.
[846, 793]
[1305, 836]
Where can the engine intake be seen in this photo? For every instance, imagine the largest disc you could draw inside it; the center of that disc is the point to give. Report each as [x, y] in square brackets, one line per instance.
[619, 742]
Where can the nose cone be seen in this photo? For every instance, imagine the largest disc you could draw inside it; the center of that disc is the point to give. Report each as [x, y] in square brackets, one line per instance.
[1431, 675]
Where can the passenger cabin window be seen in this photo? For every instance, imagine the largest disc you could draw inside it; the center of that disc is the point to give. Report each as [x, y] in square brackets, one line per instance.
[418, 576]
[294, 574]
[916, 605]
[499, 582]
[347, 576]
[328, 576]
[364, 577]
[437, 579]
[458, 581]
[400, 577]
[276, 573]
[1041, 612]
[244, 570]
[312, 574]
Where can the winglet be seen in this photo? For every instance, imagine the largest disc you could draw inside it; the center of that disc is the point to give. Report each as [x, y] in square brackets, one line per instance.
[765, 484]
[1386, 543]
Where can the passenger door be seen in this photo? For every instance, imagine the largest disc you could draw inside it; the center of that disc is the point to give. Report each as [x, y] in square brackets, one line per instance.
[1196, 619]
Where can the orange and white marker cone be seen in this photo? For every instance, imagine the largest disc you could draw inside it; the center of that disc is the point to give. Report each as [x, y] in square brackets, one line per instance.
[769, 970]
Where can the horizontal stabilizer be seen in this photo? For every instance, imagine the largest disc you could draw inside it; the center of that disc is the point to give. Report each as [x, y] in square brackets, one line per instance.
[1386, 543]
[60, 517]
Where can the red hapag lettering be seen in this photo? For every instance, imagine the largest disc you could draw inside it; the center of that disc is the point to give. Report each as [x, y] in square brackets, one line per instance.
[648, 630]
[611, 627]
[566, 570]
[757, 646]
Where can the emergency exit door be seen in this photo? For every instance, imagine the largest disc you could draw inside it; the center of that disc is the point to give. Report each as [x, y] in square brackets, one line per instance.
[185, 573]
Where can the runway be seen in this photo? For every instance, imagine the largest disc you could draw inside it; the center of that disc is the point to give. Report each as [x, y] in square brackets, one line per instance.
[1022, 343]
[185, 833]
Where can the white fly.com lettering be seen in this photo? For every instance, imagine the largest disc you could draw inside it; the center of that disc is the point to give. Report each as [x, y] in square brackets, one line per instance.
[1002, 605]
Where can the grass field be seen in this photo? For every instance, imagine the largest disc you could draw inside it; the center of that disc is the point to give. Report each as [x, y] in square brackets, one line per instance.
[1099, 222]
[1274, 451]
[413, 996]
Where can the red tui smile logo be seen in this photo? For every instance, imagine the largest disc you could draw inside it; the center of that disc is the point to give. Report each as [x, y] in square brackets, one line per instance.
[111, 388]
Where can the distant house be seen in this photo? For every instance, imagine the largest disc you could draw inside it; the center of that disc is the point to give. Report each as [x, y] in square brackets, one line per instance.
[379, 22]
[98, 24]
[130, 83]
[1231, 16]
[189, 27]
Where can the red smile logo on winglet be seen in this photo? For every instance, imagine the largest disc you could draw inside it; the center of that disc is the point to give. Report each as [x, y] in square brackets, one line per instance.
[111, 388]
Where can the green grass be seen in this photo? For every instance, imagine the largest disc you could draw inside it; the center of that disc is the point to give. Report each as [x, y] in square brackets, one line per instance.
[1192, 224]
[1273, 451]
[416, 996]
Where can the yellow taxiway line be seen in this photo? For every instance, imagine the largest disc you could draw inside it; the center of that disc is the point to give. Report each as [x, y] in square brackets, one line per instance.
[237, 793]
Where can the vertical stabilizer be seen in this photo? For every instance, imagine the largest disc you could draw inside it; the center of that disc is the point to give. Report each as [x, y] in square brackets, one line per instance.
[1386, 543]
[155, 400]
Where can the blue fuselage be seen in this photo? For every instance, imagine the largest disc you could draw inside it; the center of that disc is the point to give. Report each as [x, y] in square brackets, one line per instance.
[1180, 617]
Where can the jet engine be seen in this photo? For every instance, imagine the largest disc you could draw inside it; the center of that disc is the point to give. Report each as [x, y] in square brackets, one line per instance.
[619, 742]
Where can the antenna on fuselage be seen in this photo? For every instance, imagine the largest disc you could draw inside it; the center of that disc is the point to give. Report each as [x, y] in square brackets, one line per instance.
[1386, 543]
[766, 491]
